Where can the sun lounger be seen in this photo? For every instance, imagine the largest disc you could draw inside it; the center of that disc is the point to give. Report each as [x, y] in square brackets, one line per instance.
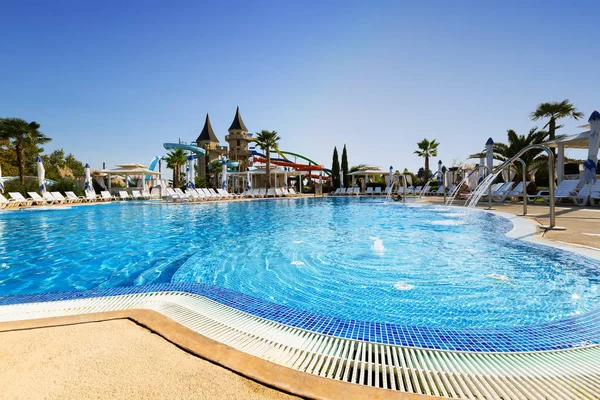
[567, 189]
[106, 196]
[74, 198]
[594, 193]
[146, 194]
[208, 194]
[13, 203]
[193, 195]
[224, 194]
[18, 197]
[136, 195]
[49, 197]
[377, 191]
[356, 191]
[278, 192]
[417, 190]
[336, 192]
[261, 193]
[439, 192]
[123, 195]
[174, 196]
[91, 196]
[292, 192]
[37, 199]
[270, 192]
[515, 193]
[369, 190]
[61, 198]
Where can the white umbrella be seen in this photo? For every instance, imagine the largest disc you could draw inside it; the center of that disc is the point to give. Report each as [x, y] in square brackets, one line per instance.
[224, 175]
[88, 178]
[342, 178]
[440, 177]
[285, 177]
[1, 181]
[391, 176]
[248, 178]
[41, 175]
[190, 183]
[592, 162]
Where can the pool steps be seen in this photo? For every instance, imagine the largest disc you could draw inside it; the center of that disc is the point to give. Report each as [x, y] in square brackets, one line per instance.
[564, 374]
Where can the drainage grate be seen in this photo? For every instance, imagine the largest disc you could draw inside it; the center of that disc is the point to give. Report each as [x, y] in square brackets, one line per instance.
[564, 374]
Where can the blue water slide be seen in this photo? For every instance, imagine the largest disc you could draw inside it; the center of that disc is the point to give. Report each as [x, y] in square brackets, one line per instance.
[199, 152]
[152, 166]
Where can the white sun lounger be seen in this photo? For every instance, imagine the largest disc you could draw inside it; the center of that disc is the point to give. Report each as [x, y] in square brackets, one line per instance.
[417, 190]
[123, 195]
[106, 196]
[370, 190]
[174, 196]
[278, 192]
[13, 203]
[292, 192]
[37, 199]
[377, 191]
[146, 194]
[91, 196]
[567, 189]
[336, 192]
[594, 193]
[270, 192]
[261, 193]
[49, 197]
[61, 198]
[74, 198]
[356, 191]
[18, 197]
[224, 194]
[136, 195]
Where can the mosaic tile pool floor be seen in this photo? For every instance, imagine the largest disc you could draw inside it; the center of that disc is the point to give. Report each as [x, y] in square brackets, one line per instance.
[572, 332]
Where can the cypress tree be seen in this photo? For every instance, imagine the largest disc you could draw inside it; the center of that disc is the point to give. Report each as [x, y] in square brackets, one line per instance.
[335, 169]
[346, 178]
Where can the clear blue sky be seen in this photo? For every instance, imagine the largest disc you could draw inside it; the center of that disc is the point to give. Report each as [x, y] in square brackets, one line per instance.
[111, 81]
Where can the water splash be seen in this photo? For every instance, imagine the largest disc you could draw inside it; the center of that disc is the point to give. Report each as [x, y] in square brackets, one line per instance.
[403, 286]
[499, 277]
[377, 245]
[297, 263]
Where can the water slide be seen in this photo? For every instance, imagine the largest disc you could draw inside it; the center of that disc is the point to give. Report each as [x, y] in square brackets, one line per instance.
[198, 152]
[284, 162]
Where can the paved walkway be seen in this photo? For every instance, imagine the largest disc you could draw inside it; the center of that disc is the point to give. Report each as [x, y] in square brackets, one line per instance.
[110, 360]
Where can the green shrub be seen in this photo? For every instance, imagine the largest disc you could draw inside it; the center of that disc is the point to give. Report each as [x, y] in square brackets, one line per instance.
[66, 185]
[30, 185]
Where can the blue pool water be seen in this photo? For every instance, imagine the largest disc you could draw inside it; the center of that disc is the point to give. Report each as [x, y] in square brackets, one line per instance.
[349, 258]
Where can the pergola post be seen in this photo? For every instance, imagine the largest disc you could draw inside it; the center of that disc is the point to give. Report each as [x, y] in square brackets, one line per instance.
[560, 162]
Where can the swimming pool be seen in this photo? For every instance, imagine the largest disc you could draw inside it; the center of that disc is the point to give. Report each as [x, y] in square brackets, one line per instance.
[354, 259]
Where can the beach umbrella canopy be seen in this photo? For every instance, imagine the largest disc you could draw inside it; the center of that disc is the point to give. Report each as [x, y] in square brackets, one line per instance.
[342, 178]
[489, 154]
[1, 181]
[190, 183]
[88, 178]
[391, 175]
[592, 162]
[440, 173]
[249, 179]
[285, 170]
[41, 174]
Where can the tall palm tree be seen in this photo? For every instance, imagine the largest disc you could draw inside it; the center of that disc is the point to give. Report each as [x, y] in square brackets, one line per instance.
[555, 111]
[267, 141]
[427, 149]
[175, 160]
[22, 135]
[505, 151]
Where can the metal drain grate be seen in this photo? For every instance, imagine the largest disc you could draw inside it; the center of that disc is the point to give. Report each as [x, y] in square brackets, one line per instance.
[544, 375]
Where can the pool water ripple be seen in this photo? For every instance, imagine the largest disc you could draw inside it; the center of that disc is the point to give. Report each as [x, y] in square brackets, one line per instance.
[354, 259]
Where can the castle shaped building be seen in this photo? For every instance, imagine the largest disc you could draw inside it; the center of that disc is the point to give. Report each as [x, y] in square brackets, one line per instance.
[238, 141]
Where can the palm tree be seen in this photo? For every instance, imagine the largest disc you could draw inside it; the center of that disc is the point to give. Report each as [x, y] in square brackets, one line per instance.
[555, 111]
[267, 141]
[175, 159]
[505, 151]
[427, 149]
[22, 135]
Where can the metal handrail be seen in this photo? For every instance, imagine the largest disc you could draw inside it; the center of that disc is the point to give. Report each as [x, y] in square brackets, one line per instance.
[550, 154]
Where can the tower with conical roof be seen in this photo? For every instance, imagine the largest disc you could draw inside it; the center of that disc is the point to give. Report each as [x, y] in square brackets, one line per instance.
[238, 141]
[208, 141]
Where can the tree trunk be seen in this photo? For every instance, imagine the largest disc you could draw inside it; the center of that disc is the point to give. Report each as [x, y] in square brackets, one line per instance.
[426, 170]
[176, 176]
[268, 168]
[20, 162]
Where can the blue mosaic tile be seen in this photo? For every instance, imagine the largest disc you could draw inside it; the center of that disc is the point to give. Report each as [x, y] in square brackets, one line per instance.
[572, 332]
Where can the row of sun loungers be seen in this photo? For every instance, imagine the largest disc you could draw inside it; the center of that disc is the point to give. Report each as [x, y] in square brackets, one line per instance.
[202, 194]
[377, 191]
[56, 198]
